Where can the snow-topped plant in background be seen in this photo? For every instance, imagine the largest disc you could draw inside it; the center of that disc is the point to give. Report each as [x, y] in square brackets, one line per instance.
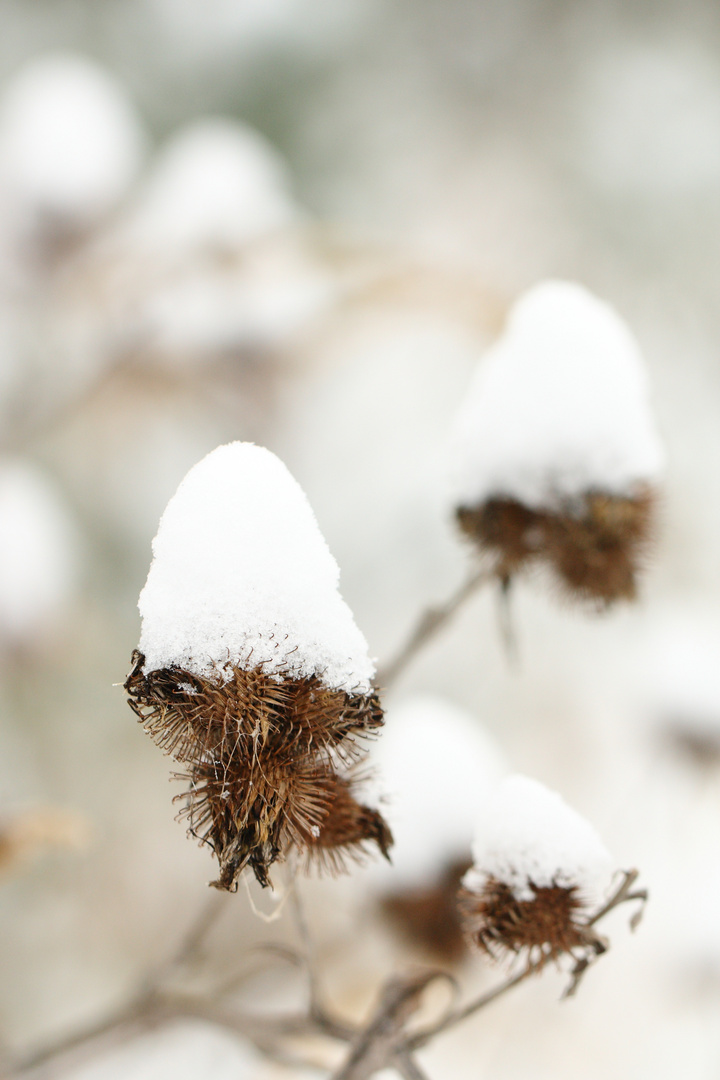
[555, 456]
[206, 262]
[251, 670]
[538, 869]
[70, 144]
[436, 765]
[38, 553]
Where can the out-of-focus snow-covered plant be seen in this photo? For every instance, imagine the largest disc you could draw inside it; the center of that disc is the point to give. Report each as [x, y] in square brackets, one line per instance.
[70, 145]
[39, 561]
[555, 455]
[435, 764]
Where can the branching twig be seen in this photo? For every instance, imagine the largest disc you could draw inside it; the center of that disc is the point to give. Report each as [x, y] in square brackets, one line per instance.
[429, 624]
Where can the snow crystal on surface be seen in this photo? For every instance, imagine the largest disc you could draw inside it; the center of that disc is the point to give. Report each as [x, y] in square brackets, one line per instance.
[436, 765]
[242, 575]
[527, 833]
[558, 407]
[70, 142]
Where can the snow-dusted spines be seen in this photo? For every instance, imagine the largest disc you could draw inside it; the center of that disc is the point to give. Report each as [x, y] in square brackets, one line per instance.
[527, 835]
[555, 456]
[251, 671]
[242, 577]
[537, 867]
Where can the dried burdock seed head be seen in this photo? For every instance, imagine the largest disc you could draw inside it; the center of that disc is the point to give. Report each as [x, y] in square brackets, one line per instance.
[594, 547]
[555, 455]
[348, 829]
[427, 915]
[538, 869]
[543, 928]
[251, 671]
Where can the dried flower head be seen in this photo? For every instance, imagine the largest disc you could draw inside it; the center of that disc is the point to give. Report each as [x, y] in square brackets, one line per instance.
[251, 672]
[428, 914]
[543, 928]
[538, 866]
[556, 458]
[595, 546]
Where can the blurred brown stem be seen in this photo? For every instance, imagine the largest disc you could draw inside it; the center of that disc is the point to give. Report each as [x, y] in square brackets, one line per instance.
[429, 624]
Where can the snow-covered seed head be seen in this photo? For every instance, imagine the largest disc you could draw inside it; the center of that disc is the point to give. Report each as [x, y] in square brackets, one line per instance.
[538, 869]
[251, 672]
[555, 455]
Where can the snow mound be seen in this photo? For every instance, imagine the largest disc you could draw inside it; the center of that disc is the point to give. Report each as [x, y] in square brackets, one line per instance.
[526, 833]
[558, 407]
[242, 576]
[70, 141]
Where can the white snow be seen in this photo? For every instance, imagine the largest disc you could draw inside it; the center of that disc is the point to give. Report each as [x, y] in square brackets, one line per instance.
[38, 551]
[558, 407]
[217, 183]
[70, 142]
[527, 833]
[242, 575]
[678, 675]
[435, 764]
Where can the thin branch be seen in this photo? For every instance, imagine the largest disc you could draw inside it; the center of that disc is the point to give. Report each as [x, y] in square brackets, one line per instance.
[142, 1003]
[421, 1038]
[429, 624]
[408, 1067]
[380, 1043]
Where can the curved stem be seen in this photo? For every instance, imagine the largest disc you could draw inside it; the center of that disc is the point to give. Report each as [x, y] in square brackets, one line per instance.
[430, 622]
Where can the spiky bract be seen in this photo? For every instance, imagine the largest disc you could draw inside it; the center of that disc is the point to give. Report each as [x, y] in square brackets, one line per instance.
[594, 546]
[260, 754]
[544, 928]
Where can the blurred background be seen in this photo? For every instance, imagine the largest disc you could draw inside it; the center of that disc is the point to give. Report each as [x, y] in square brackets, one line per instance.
[300, 222]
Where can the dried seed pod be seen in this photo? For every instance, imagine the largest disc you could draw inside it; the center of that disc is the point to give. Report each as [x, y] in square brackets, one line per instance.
[595, 547]
[259, 752]
[428, 914]
[538, 866]
[256, 678]
[543, 928]
[347, 827]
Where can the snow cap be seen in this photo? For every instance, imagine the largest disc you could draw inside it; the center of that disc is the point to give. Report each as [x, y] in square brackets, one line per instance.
[558, 407]
[218, 183]
[70, 141]
[527, 834]
[242, 576]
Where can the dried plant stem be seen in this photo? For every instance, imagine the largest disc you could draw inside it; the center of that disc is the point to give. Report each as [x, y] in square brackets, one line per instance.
[381, 1042]
[422, 1038]
[143, 1004]
[429, 624]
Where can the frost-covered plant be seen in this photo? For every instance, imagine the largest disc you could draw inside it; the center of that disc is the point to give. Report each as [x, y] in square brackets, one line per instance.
[538, 870]
[251, 671]
[555, 454]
